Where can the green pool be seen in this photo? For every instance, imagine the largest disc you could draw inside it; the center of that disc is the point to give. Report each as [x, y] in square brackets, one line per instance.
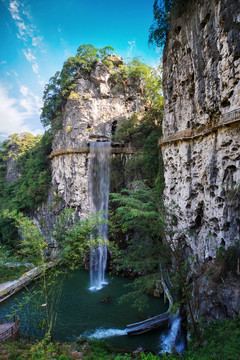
[81, 312]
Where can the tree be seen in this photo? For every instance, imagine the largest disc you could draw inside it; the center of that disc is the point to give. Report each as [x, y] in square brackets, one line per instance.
[159, 28]
[164, 12]
[140, 214]
[63, 82]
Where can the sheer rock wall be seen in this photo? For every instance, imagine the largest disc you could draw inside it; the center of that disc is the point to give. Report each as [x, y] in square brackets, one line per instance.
[90, 114]
[201, 136]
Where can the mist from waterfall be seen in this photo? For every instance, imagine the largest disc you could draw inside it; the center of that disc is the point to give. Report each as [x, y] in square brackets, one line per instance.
[99, 187]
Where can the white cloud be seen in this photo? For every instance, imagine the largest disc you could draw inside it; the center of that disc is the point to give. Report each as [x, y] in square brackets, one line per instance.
[35, 68]
[21, 25]
[14, 10]
[132, 45]
[17, 114]
[3, 62]
[27, 32]
[36, 40]
[29, 55]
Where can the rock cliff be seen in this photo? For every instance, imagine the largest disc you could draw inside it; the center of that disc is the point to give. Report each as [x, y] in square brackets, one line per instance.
[91, 113]
[201, 138]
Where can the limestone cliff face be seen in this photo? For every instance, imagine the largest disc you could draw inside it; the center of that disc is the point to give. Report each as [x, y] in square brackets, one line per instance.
[91, 114]
[201, 142]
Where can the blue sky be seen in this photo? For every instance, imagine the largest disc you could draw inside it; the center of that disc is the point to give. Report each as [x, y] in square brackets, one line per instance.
[37, 36]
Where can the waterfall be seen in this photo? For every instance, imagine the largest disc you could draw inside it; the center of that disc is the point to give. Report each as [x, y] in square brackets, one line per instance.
[99, 183]
[173, 340]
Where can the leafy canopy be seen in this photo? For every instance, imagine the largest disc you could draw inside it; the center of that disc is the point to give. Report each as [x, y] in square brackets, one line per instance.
[30, 162]
[159, 29]
[63, 82]
[164, 12]
[137, 216]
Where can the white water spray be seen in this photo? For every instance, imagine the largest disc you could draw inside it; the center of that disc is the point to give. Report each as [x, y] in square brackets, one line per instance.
[173, 341]
[106, 333]
[99, 186]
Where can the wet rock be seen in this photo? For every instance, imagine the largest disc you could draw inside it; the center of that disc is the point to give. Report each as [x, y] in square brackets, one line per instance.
[106, 300]
[139, 350]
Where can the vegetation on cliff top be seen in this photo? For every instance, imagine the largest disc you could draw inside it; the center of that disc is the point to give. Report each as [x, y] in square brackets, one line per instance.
[63, 82]
[164, 11]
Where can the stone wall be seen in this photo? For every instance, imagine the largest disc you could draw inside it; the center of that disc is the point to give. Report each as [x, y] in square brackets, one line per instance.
[201, 132]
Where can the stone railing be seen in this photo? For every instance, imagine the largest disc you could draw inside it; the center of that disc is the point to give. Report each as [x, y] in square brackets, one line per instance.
[189, 134]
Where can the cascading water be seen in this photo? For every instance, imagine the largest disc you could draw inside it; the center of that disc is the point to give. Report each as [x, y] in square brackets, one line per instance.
[99, 186]
[173, 341]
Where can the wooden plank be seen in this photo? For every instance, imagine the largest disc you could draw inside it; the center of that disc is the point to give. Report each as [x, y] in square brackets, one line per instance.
[5, 327]
[143, 329]
[157, 317]
[148, 325]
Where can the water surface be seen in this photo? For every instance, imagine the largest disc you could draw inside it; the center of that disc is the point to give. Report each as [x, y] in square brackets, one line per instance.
[81, 312]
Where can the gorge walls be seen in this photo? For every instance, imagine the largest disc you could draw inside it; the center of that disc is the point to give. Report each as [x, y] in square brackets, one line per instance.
[201, 140]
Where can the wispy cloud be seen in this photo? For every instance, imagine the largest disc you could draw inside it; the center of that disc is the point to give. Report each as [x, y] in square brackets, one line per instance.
[14, 9]
[27, 32]
[37, 40]
[29, 55]
[16, 114]
[131, 47]
[35, 68]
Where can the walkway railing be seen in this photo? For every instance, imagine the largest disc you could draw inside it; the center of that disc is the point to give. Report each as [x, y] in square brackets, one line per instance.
[232, 117]
[9, 327]
[85, 150]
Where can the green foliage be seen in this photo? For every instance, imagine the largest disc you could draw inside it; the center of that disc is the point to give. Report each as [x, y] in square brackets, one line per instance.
[164, 12]
[30, 189]
[32, 243]
[12, 265]
[8, 273]
[137, 215]
[159, 28]
[73, 237]
[30, 160]
[142, 134]
[229, 257]
[227, 260]
[220, 341]
[142, 131]
[60, 85]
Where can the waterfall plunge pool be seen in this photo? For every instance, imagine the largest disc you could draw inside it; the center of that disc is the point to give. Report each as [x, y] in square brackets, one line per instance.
[82, 313]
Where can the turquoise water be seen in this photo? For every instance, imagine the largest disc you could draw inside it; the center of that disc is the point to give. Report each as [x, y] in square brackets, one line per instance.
[81, 312]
